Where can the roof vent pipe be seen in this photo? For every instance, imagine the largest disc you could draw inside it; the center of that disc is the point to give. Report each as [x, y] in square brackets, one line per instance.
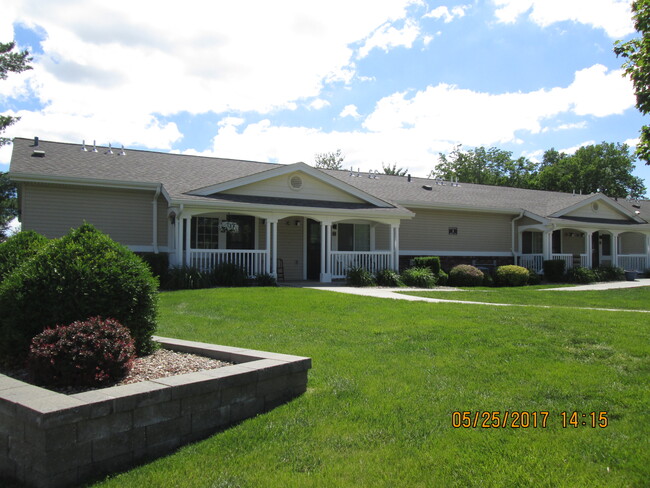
[110, 150]
[35, 141]
[409, 178]
[94, 146]
[83, 145]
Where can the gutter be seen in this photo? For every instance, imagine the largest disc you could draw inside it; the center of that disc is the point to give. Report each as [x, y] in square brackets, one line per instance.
[512, 245]
[155, 218]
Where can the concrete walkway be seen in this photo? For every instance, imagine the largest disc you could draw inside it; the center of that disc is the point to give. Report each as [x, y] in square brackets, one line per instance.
[392, 293]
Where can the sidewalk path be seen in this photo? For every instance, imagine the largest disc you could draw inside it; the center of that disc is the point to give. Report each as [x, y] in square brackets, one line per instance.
[612, 285]
[391, 293]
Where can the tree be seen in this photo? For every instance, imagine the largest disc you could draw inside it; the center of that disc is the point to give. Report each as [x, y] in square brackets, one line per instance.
[604, 167]
[330, 160]
[9, 63]
[491, 166]
[394, 170]
[637, 67]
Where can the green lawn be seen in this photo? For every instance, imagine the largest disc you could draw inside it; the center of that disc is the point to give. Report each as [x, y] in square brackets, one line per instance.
[387, 376]
[624, 298]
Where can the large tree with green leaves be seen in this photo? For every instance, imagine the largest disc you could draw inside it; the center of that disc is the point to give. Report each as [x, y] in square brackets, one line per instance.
[486, 166]
[10, 62]
[604, 167]
[330, 160]
[394, 170]
[637, 67]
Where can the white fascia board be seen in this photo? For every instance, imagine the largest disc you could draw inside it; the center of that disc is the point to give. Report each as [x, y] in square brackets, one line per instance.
[462, 208]
[67, 180]
[600, 226]
[287, 169]
[292, 210]
[598, 197]
[534, 216]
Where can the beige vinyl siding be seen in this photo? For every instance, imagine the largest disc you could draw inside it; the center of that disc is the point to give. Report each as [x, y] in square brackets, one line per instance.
[573, 244]
[477, 231]
[382, 237]
[125, 215]
[163, 221]
[527, 221]
[604, 211]
[311, 189]
[291, 248]
[632, 243]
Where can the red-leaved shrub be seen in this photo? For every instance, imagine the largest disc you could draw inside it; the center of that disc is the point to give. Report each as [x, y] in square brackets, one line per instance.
[94, 352]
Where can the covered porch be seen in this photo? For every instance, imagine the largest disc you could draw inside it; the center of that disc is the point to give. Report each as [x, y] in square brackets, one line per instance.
[585, 247]
[303, 246]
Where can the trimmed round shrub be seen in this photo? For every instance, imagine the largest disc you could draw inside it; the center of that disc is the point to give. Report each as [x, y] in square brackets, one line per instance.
[388, 277]
[580, 275]
[554, 270]
[419, 277]
[443, 278]
[465, 275]
[511, 275]
[83, 274]
[609, 273]
[431, 262]
[533, 277]
[230, 275]
[265, 279]
[93, 352]
[18, 249]
[359, 276]
[186, 278]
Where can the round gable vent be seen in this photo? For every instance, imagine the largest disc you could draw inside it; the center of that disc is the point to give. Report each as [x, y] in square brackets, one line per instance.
[594, 207]
[295, 182]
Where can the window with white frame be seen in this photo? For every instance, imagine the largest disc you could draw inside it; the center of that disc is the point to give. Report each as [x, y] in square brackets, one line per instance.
[205, 233]
[353, 237]
[531, 242]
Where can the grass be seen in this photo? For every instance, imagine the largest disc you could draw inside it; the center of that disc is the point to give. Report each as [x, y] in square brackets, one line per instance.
[623, 298]
[387, 376]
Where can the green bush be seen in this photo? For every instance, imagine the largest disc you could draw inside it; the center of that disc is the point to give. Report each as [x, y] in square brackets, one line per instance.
[533, 277]
[18, 249]
[488, 280]
[95, 352]
[83, 274]
[609, 273]
[388, 277]
[580, 275]
[186, 278]
[443, 278]
[265, 279]
[230, 275]
[431, 262]
[511, 275]
[419, 277]
[359, 276]
[465, 275]
[158, 263]
[554, 270]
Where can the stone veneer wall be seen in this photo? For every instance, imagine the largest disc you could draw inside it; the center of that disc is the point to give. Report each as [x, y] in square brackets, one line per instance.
[48, 439]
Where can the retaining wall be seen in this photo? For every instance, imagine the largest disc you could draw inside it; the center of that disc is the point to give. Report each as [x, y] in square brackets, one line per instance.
[48, 439]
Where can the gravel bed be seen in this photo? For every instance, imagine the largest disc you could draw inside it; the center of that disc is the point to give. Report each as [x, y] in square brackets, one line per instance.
[160, 364]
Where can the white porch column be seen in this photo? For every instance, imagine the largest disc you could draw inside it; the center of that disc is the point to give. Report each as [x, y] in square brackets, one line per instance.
[547, 244]
[267, 264]
[273, 269]
[178, 240]
[394, 247]
[325, 251]
[588, 248]
[188, 236]
[615, 248]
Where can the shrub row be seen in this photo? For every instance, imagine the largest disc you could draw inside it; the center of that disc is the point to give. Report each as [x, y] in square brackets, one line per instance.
[224, 274]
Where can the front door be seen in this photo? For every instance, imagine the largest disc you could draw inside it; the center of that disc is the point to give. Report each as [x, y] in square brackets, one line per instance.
[313, 250]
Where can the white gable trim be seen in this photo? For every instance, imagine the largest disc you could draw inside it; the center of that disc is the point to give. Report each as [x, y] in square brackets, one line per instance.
[291, 168]
[598, 197]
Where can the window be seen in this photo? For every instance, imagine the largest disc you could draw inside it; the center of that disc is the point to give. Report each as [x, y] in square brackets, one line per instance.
[205, 233]
[354, 237]
[245, 238]
[531, 242]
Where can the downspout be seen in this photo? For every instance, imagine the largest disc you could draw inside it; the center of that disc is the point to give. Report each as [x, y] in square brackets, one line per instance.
[512, 245]
[155, 218]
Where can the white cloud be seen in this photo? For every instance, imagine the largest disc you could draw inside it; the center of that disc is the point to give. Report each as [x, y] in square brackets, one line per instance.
[318, 104]
[614, 16]
[573, 149]
[350, 111]
[387, 37]
[109, 59]
[633, 142]
[443, 12]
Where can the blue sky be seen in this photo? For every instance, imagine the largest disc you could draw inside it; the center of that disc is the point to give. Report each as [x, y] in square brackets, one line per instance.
[387, 82]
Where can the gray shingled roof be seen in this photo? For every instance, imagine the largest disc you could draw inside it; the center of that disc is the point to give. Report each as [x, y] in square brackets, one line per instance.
[181, 174]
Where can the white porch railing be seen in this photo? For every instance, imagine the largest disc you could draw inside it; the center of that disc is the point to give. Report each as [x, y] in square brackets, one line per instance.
[567, 258]
[532, 261]
[584, 262]
[373, 261]
[206, 259]
[633, 262]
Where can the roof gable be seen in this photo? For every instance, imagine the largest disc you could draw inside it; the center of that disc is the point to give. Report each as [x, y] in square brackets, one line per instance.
[298, 179]
[598, 207]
